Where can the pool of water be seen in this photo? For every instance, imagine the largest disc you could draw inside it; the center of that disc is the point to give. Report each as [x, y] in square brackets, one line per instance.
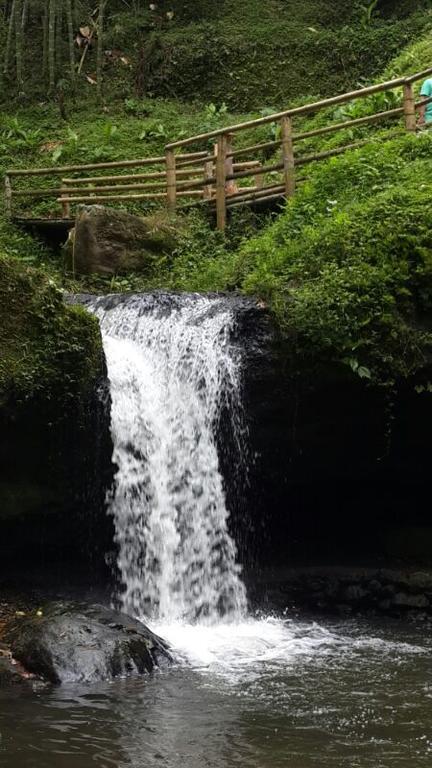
[265, 693]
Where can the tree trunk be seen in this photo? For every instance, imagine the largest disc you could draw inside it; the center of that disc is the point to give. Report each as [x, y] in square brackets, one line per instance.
[19, 46]
[58, 33]
[51, 44]
[45, 65]
[9, 37]
[100, 43]
[71, 40]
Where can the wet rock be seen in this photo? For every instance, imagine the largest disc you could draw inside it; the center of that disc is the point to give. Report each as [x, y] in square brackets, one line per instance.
[402, 600]
[355, 592]
[71, 643]
[111, 242]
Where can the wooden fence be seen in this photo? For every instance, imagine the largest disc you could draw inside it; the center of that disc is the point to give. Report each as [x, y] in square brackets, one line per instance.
[219, 174]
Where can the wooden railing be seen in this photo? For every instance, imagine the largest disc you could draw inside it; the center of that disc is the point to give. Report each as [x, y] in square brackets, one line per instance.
[285, 167]
[215, 171]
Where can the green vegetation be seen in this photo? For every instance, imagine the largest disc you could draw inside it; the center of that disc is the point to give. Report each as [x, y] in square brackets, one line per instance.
[249, 53]
[50, 352]
[345, 268]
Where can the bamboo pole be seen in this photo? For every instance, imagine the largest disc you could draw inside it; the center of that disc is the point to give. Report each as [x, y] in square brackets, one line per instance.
[120, 188]
[130, 177]
[349, 124]
[257, 195]
[221, 181]
[409, 108]
[192, 161]
[256, 172]
[171, 180]
[251, 191]
[87, 167]
[288, 156]
[256, 148]
[117, 198]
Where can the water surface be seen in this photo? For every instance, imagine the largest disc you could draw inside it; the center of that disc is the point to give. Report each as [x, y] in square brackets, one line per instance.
[261, 694]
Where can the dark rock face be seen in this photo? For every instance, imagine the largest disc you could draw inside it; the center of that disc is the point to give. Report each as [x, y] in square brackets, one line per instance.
[347, 590]
[338, 468]
[84, 644]
[110, 242]
[53, 483]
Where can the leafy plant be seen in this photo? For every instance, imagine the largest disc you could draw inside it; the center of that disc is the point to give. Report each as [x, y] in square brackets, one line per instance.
[154, 130]
[368, 12]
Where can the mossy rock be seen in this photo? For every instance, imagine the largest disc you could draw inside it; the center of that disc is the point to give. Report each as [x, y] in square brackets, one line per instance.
[48, 350]
[109, 242]
[54, 448]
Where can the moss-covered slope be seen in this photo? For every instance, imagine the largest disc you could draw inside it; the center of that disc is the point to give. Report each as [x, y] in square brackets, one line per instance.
[347, 268]
[48, 351]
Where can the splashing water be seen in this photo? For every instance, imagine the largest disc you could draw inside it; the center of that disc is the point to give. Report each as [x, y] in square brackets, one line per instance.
[172, 368]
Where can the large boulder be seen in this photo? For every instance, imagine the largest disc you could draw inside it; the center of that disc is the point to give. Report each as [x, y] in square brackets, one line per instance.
[70, 643]
[108, 242]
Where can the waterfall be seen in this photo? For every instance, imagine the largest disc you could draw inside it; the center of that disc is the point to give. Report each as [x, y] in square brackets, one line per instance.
[172, 368]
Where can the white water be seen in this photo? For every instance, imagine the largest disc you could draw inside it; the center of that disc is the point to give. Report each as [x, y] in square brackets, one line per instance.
[172, 367]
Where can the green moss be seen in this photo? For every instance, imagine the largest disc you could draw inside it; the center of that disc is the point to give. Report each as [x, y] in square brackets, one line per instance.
[48, 351]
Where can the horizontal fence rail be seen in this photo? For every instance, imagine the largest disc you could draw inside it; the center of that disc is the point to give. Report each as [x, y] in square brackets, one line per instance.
[214, 175]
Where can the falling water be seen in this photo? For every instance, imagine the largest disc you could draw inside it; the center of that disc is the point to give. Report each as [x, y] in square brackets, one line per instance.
[172, 368]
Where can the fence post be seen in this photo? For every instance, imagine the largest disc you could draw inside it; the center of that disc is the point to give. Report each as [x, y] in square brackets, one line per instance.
[208, 174]
[171, 180]
[8, 197]
[409, 107]
[259, 179]
[288, 156]
[221, 159]
[65, 206]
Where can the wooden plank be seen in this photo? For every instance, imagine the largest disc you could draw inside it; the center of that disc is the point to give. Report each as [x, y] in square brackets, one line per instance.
[288, 156]
[221, 181]
[305, 109]
[409, 108]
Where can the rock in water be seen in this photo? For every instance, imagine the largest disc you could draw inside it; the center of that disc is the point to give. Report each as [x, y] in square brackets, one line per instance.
[75, 643]
[108, 242]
